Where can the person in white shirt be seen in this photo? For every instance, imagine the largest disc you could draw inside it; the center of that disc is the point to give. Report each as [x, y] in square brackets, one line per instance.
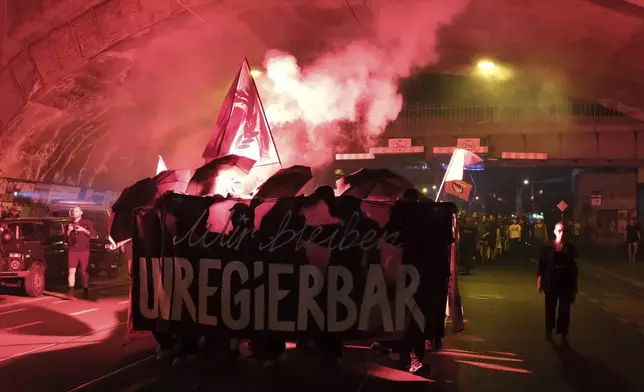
[514, 232]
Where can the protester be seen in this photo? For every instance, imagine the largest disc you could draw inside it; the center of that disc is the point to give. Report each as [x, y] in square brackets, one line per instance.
[632, 238]
[557, 280]
[467, 245]
[79, 233]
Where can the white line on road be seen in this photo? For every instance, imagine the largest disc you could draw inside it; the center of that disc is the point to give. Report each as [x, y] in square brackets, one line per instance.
[83, 312]
[59, 343]
[13, 311]
[104, 376]
[24, 302]
[23, 326]
[60, 302]
[127, 301]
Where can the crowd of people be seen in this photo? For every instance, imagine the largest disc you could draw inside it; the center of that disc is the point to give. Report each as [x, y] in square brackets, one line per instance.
[485, 238]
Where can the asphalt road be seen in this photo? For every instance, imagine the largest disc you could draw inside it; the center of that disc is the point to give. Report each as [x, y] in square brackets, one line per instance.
[49, 344]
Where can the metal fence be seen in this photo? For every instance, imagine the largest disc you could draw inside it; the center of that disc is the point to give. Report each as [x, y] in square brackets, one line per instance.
[553, 111]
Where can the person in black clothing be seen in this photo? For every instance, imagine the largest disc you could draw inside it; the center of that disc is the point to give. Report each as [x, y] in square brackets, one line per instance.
[467, 245]
[79, 233]
[557, 280]
[632, 237]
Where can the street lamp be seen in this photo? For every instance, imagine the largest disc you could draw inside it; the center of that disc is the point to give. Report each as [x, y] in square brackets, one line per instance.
[424, 190]
[256, 73]
[476, 197]
[526, 182]
[434, 187]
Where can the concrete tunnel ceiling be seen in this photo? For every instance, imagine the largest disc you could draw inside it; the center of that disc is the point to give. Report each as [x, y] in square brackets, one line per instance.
[88, 85]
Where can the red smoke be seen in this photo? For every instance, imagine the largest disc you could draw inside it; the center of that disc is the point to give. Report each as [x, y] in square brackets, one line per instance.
[309, 108]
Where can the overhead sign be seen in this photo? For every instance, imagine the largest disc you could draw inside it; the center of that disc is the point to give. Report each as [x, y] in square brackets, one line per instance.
[399, 142]
[469, 144]
[397, 150]
[596, 199]
[542, 156]
[348, 157]
[562, 206]
[450, 150]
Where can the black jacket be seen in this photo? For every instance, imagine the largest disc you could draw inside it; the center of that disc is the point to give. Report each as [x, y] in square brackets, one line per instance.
[558, 270]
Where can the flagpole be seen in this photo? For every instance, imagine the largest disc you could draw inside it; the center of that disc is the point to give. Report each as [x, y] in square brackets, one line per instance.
[261, 105]
[440, 188]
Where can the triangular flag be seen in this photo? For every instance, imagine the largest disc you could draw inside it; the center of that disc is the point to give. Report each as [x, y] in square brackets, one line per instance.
[161, 165]
[242, 128]
[460, 189]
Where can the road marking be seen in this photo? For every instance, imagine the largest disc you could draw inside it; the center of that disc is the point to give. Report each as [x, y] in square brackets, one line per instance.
[22, 326]
[60, 302]
[22, 354]
[83, 312]
[24, 302]
[13, 311]
[127, 301]
[112, 373]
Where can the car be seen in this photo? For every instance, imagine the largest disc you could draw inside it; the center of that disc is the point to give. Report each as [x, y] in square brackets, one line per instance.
[34, 250]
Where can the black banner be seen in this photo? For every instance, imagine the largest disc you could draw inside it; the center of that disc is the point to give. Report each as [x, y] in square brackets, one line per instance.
[291, 266]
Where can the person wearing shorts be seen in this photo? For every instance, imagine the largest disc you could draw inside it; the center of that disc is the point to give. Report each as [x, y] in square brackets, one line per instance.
[79, 233]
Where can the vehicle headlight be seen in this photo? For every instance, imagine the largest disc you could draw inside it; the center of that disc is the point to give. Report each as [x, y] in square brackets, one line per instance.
[15, 264]
[15, 255]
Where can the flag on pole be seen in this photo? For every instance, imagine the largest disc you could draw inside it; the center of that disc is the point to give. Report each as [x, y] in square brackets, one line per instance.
[242, 128]
[459, 188]
[460, 160]
[161, 165]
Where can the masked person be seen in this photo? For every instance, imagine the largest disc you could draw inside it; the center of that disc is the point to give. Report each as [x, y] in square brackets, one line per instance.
[557, 280]
[79, 233]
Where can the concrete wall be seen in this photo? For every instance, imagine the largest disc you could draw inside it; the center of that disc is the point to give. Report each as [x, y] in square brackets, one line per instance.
[60, 36]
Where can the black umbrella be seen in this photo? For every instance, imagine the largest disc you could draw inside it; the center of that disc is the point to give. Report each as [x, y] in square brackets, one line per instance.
[380, 184]
[172, 180]
[138, 195]
[219, 175]
[285, 182]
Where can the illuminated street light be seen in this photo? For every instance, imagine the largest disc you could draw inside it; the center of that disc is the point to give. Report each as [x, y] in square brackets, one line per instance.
[424, 190]
[486, 66]
[526, 182]
[256, 73]
[541, 191]
[434, 187]
[476, 198]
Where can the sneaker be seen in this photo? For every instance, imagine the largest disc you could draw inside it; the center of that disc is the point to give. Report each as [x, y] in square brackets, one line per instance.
[86, 294]
[415, 365]
[70, 293]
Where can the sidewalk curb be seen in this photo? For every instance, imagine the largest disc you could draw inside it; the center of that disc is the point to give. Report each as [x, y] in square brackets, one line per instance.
[603, 271]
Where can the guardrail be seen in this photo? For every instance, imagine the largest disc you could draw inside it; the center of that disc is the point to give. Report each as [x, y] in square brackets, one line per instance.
[552, 111]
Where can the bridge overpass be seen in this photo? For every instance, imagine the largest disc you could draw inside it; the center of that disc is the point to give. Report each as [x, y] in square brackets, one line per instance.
[570, 133]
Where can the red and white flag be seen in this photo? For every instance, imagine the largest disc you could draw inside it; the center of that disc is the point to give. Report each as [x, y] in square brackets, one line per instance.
[460, 160]
[458, 188]
[161, 167]
[242, 128]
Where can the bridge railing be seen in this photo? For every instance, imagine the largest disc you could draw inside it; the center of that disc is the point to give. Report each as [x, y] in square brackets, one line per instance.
[551, 111]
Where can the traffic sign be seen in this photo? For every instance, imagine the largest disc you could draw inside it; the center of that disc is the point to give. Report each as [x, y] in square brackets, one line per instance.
[562, 206]
[469, 144]
[399, 142]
